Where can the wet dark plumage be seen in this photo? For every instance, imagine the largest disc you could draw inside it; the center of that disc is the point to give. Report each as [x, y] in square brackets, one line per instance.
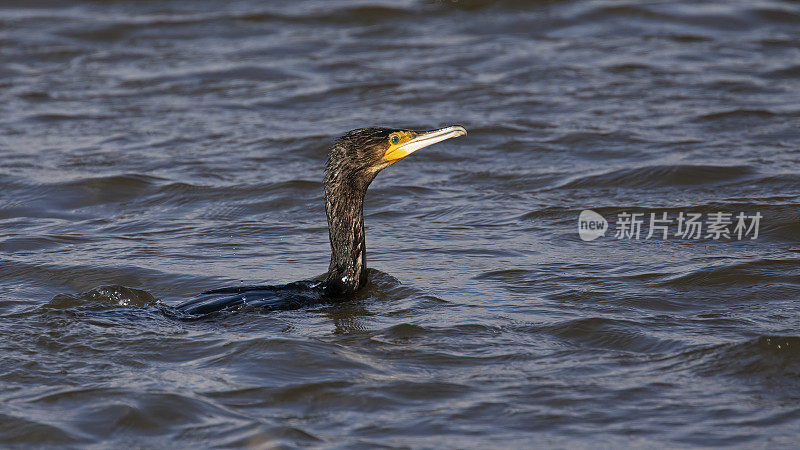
[353, 162]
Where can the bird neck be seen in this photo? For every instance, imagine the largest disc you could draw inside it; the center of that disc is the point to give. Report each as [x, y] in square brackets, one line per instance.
[344, 206]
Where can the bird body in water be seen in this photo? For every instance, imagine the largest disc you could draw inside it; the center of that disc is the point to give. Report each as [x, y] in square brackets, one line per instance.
[354, 161]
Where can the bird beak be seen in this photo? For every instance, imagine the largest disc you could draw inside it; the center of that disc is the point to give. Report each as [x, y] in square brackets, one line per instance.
[423, 140]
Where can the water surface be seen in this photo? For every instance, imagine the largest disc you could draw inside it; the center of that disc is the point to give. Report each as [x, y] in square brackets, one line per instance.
[153, 150]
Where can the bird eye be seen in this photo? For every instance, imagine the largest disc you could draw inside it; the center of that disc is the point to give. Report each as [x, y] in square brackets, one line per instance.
[395, 139]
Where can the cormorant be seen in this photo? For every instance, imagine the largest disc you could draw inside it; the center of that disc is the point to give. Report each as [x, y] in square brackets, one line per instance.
[353, 162]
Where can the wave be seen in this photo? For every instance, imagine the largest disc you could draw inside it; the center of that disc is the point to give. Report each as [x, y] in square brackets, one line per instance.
[113, 28]
[662, 175]
[769, 357]
[737, 113]
[611, 334]
[791, 72]
[748, 273]
[105, 296]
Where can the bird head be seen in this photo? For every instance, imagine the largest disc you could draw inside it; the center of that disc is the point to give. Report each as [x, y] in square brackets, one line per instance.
[364, 152]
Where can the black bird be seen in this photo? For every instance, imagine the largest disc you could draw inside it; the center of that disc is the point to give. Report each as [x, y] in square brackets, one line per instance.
[354, 161]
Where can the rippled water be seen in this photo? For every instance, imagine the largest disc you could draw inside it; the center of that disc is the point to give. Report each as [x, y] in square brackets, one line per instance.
[153, 150]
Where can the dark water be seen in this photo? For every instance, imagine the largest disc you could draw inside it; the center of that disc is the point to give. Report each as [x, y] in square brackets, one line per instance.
[163, 148]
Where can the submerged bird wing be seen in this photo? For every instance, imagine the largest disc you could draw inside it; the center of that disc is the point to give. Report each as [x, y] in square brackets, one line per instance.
[282, 297]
